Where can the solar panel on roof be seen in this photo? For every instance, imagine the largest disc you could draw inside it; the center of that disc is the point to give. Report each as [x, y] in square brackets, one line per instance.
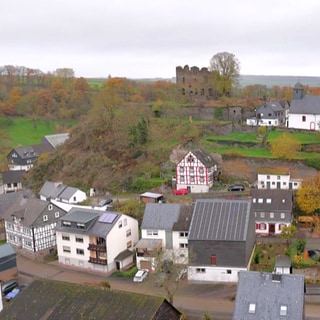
[107, 217]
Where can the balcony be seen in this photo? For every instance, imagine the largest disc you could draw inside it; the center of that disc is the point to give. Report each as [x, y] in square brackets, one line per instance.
[98, 261]
[97, 248]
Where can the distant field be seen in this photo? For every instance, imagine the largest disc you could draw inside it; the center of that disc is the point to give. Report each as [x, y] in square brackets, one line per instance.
[23, 131]
[96, 82]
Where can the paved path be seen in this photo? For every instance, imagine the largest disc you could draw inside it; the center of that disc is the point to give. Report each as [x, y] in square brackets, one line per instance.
[192, 299]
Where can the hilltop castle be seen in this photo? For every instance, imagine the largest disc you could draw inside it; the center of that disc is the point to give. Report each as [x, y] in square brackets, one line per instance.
[194, 82]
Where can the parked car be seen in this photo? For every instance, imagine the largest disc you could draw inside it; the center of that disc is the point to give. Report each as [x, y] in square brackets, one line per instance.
[236, 187]
[12, 294]
[314, 254]
[9, 286]
[181, 191]
[141, 275]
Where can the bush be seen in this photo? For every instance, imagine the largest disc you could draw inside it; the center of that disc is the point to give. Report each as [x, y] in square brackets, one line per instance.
[126, 274]
[142, 184]
[314, 163]
[105, 284]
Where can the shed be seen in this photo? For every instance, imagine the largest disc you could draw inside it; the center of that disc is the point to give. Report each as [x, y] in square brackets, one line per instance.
[148, 197]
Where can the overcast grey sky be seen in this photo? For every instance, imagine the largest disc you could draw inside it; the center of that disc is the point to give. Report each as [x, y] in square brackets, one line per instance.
[149, 38]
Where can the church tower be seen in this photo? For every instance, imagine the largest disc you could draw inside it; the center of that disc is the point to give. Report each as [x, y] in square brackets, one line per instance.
[298, 91]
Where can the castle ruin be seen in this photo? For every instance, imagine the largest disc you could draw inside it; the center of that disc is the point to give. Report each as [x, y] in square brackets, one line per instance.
[194, 82]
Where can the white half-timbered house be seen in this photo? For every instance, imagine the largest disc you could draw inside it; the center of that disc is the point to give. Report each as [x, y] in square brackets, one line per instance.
[97, 240]
[197, 171]
[30, 224]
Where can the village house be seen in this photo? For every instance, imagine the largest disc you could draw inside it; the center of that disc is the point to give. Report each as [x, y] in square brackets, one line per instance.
[221, 240]
[95, 239]
[60, 192]
[272, 210]
[48, 299]
[164, 234]
[12, 180]
[277, 178]
[22, 158]
[304, 110]
[30, 224]
[55, 140]
[196, 172]
[6, 201]
[262, 295]
[271, 113]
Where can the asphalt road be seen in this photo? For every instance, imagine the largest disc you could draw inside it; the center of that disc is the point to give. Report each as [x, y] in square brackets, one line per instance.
[191, 299]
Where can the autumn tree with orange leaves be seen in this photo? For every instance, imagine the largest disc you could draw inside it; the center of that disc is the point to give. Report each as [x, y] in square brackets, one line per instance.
[308, 196]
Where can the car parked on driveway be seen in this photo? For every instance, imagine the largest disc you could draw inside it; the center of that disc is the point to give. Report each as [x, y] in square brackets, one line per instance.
[181, 191]
[236, 187]
[9, 286]
[314, 254]
[141, 275]
[12, 294]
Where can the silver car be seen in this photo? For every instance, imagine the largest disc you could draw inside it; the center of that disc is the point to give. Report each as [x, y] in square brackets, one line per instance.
[141, 275]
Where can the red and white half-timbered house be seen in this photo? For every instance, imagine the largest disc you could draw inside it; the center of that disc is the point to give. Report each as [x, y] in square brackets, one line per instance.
[197, 171]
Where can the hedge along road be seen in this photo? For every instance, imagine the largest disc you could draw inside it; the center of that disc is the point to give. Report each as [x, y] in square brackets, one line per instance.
[192, 299]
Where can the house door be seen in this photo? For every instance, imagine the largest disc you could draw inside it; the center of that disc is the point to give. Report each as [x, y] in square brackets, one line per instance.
[290, 185]
[271, 228]
[278, 185]
[268, 184]
[118, 265]
[312, 125]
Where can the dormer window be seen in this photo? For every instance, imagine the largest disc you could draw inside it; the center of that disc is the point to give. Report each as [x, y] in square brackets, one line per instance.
[81, 225]
[66, 223]
[283, 311]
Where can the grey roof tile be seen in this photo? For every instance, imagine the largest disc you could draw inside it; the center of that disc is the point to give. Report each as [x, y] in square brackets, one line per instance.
[261, 289]
[220, 219]
[160, 216]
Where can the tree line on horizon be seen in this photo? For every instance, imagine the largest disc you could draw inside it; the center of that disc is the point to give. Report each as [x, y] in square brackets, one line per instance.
[60, 95]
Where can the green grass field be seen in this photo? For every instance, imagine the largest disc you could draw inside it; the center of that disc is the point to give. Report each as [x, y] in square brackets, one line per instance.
[243, 144]
[23, 131]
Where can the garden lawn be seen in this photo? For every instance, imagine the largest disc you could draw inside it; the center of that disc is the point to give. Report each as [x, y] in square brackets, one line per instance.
[303, 137]
[25, 132]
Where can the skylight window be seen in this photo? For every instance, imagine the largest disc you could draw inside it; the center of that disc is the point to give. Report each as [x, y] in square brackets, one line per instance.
[283, 310]
[252, 308]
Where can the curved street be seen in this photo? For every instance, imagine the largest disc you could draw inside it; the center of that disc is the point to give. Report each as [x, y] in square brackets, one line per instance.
[192, 299]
